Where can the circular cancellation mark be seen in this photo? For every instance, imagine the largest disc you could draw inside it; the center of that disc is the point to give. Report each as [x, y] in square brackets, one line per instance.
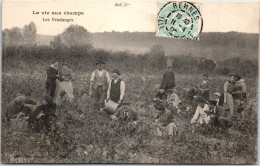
[179, 20]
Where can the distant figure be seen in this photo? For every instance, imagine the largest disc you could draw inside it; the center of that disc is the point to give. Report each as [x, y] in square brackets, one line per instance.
[204, 87]
[116, 88]
[43, 116]
[20, 106]
[99, 84]
[65, 84]
[52, 75]
[168, 81]
[229, 88]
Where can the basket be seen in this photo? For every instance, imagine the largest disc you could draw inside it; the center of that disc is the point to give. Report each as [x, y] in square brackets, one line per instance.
[111, 106]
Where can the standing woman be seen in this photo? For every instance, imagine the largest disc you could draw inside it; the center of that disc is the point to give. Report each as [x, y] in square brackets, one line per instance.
[204, 87]
[65, 87]
[229, 87]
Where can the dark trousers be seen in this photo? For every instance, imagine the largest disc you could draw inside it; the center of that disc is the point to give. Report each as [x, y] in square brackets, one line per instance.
[99, 96]
[50, 88]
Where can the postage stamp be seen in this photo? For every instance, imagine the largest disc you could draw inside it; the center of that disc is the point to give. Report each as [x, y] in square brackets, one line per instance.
[180, 20]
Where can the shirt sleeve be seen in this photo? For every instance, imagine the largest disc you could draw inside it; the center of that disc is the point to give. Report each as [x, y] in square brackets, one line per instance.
[225, 87]
[209, 84]
[206, 107]
[108, 77]
[243, 87]
[122, 90]
[31, 101]
[108, 90]
[71, 75]
[196, 115]
[92, 77]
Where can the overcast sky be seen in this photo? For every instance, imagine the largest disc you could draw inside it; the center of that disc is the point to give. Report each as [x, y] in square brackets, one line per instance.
[100, 16]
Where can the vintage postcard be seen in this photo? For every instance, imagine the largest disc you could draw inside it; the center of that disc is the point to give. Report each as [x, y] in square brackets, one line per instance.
[139, 82]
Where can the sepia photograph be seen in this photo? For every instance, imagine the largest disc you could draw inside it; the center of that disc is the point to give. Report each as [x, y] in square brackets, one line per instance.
[129, 82]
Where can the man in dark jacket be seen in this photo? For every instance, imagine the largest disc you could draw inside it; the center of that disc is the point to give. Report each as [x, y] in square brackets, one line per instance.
[116, 88]
[168, 81]
[52, 75]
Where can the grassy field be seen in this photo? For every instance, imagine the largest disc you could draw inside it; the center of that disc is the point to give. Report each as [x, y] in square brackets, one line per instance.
[93, 138]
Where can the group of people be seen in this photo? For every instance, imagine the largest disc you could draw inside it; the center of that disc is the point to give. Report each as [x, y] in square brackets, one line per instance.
[217, 112]
[59, 82]
[59, 85]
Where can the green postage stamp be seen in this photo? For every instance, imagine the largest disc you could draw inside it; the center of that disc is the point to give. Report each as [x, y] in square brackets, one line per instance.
[180, 20]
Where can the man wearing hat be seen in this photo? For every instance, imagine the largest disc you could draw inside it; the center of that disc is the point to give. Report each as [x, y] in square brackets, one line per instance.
[168, 81]
[116, 88]
[99, 84]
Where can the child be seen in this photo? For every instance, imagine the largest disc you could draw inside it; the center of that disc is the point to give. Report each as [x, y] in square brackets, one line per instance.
[204, 87]
[99, 84]
[168, 81]
[160, 99]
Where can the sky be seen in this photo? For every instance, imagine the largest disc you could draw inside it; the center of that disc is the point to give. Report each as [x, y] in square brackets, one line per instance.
[100, 16]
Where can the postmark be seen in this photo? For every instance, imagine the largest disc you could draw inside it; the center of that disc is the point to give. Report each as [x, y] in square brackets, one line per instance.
[180, 20]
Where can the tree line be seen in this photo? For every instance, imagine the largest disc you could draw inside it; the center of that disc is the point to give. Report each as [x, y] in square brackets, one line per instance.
[74, 46]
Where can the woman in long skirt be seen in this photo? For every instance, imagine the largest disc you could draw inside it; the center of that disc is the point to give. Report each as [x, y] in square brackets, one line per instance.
[65, 86]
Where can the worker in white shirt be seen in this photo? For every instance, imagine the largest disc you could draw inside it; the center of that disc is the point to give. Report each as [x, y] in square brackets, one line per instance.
[116, 88]
[200, 117]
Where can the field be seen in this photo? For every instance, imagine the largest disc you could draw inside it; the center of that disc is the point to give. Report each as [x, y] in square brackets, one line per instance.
[88, 137]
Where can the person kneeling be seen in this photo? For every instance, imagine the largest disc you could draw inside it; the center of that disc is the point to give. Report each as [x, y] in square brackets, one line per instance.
[201, 116]
[160, 99]
[44, 116]
[165, 124]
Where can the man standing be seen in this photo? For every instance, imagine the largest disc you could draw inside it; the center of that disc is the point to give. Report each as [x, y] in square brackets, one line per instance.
[99, 84]
[168, 81]
[116, 88]
[52, 75]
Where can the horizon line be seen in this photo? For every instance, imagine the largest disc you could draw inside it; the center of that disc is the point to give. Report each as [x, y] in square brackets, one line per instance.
[150, 32]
